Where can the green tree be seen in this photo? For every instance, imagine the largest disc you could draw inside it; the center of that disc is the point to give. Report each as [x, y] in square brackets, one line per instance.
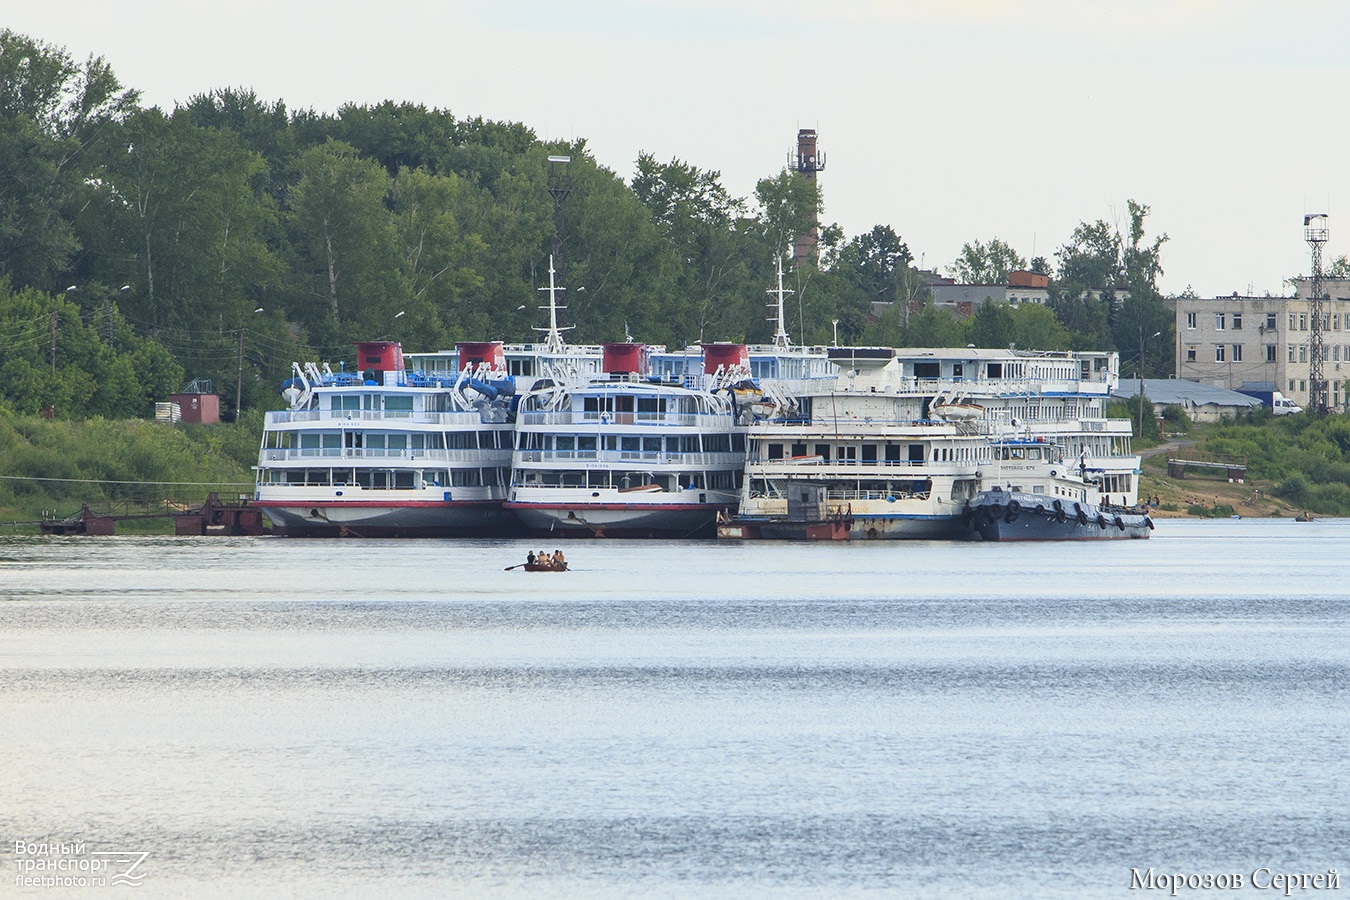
[349, 275]
[993, 325]
[1036, 328]
[53, 112]
[990, 263]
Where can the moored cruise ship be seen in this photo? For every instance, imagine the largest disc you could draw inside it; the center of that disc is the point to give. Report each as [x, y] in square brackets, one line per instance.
[383, 452]
[629, 453]
[897, 446]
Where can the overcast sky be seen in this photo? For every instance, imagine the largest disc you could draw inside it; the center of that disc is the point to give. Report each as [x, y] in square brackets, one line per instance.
[949, 120]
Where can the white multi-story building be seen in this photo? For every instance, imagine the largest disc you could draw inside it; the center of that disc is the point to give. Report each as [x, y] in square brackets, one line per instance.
[1236, 340]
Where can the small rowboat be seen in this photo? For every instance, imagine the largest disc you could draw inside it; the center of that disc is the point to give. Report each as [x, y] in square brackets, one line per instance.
[535, 567]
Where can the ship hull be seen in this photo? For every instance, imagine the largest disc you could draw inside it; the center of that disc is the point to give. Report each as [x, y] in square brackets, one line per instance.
[620, 519]
[1033, 518]
[327, 518]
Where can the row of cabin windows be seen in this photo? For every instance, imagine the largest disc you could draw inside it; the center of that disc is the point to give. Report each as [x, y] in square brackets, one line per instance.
[869, 453]
[636, 443]
[367, 402]
[899, 488]
[624, 403]
[387, 479]
[611, 479]
[378, 440]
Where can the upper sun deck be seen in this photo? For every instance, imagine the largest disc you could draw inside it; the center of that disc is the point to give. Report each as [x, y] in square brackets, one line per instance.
[975, 372]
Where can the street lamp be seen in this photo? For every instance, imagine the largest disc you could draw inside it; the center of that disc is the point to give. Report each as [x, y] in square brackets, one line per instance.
[835, 322]
[1142, 341]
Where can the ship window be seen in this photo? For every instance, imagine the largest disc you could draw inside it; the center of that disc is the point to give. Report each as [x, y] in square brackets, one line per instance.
[309, 441]
[996, 370]
[457, 440]
[798, 449]
[927, 370]
[564, 443]
[466, 477]
[823, 451]
[398, 442]
[398, 404]
[651, 445]
[775, 451]
[916, 453]
[738, 443]
[892, 453]
[630, 444]
[586, 442]
[716, 443]
[347, 402]
[403, 480]
[650, 404]
[869, 453]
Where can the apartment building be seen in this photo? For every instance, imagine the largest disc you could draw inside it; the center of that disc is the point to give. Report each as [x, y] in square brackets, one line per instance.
[1234, 341]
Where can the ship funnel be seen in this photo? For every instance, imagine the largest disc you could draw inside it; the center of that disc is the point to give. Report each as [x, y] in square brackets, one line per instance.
[620, 359]
[375, 358]
[476, 353]
[724, 356]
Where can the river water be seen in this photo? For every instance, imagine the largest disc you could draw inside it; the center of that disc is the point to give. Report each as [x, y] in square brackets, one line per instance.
[268, 717]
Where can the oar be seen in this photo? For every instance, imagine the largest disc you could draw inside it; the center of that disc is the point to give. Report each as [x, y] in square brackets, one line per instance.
[516, 566]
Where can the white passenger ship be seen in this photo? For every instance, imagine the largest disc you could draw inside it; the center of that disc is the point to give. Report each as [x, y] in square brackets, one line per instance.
[632, 453]
[897, 447]
[383, 452]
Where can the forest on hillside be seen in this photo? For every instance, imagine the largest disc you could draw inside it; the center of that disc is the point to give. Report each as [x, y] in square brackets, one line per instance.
[141, 248]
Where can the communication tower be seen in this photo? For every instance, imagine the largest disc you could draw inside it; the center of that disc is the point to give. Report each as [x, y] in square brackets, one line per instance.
[807, 162]
[559, 186]
[1315, 233]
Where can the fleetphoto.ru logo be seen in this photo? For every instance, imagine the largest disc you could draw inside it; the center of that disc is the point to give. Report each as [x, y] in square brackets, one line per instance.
[72, 864]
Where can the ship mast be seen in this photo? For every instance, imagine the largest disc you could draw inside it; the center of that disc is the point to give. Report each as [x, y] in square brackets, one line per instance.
[781, 340]
[553, 342]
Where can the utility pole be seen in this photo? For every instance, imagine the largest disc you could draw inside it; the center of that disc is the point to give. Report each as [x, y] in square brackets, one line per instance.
[239, 376]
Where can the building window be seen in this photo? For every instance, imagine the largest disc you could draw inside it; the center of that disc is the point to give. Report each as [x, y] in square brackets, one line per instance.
[1335, 352]
[1190, 353]
[1218, 321]
[1293, 354]
[1237, 353]
[1237, 321]
[1291, 385]
[1270, 352]
[1190, 321]
[1270, 321]
[1336, 322]
[1218, 352]
[1292, 324]
[1302, 352]
[1302, 384]
[1302, 321]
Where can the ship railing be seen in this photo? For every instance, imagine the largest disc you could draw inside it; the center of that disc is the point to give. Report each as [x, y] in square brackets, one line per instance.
[653, 457]
[821, 462]
[976, 388]
[447, 456]
[876, 495]
[568, 417]
[286, 416]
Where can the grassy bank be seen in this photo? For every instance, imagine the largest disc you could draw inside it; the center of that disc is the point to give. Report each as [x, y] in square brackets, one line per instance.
[53, 467]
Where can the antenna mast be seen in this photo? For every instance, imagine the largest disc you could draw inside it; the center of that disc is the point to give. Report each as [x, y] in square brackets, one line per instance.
[1315, 233]
[780, 339]
[554, 342]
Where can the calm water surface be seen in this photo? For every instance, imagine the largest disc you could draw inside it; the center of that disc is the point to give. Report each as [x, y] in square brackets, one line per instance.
[270, 717]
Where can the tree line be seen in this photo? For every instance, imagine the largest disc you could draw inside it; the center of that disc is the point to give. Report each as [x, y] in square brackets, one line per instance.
[228, 236]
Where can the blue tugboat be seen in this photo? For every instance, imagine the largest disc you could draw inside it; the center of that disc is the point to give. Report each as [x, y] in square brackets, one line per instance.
[1034, 496]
